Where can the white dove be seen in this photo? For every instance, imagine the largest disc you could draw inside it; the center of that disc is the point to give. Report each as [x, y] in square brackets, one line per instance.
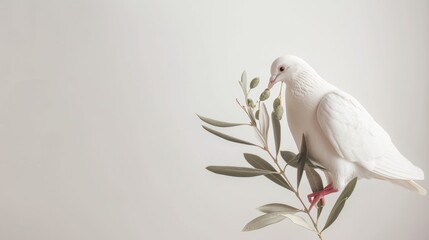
[341, 135]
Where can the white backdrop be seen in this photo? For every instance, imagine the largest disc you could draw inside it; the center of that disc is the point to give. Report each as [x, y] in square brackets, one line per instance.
[99, 137]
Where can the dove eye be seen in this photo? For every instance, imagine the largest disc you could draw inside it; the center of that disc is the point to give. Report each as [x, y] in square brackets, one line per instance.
[282, 68]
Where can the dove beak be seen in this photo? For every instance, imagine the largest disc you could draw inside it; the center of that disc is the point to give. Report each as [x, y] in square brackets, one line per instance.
[273, 81]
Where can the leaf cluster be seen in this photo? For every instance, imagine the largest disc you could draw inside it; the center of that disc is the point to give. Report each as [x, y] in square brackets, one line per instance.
[259, 120]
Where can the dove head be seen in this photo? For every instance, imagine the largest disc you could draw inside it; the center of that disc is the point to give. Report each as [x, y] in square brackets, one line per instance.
[289, 69]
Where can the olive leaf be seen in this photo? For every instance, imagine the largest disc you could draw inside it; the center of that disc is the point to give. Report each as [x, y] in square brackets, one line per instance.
[290, 158]
[259, 163]
[277, 178]
[263, 221]
[278, 207]
[302, 159]
[315, 164]
[219, 123]
[339, 204]
[316, 184]
[264, 121]
[251, 115]
[299, 221]
[313, 178]
[277, 132]
[259, 136]
[319, 210]
[238, 171]
[243, 83]
[227, 137]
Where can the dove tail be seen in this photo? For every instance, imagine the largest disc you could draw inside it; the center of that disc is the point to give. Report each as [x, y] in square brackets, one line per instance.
[417, 187]
[411, 185]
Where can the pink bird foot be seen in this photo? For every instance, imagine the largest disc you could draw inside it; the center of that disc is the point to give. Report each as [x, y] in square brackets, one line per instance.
[315, 197]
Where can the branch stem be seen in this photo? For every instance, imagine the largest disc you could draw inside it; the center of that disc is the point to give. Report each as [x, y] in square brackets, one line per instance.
[296, 191]
[282, 173]
[306, 210]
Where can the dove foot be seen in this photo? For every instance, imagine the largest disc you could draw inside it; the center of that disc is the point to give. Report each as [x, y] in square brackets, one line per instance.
[315, 197]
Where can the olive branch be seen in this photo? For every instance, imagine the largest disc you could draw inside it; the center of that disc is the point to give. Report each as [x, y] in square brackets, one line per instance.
[260, 122]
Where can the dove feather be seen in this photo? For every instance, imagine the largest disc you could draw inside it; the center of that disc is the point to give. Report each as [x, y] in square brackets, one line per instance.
[357, 137]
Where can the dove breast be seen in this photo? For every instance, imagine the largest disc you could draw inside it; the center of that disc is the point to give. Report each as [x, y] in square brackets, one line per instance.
[302, 119]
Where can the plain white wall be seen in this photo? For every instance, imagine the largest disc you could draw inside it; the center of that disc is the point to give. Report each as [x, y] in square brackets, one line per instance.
[99, 137]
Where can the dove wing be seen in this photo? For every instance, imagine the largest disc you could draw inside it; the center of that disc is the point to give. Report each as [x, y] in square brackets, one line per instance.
[358, 138]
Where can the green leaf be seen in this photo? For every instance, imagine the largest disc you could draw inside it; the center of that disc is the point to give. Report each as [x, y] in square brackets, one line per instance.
[258, 162]
[315, 164]
[290, 158]
[277, 178]
[259, 136]
[339, 204]
[278, 207]
[264, 121]
[219, 123]
[303, 156]
[238, 171]
[251, 115]
[335, 212]
[227, 137]
[316, 184]
[319, 210]
[299, 221]
[243, 83]
[314, 179]
[277, 132]
[263, 221]
[244, 77]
